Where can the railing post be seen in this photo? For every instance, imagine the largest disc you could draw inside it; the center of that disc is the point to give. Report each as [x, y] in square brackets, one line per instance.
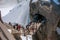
[0, 17]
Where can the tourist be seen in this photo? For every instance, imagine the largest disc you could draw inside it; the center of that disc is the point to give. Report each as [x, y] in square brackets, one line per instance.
[18, 27]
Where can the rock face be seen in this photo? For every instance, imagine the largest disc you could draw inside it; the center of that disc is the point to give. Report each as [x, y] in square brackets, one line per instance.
[51, 13]
[7, 3]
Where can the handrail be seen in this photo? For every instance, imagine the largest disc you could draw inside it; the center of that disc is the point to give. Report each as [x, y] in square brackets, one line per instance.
[2, 36]
[7, 34]
[0, 17]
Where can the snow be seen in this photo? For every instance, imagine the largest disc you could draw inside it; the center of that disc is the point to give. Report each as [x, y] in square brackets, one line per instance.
[10, 30]
[58, 30]
[6, 6]
[23, 37]
[5, 11]
[28, 37]
[19, 14]
[7, 3]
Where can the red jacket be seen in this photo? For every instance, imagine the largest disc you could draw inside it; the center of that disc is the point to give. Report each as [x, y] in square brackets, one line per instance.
[18, 27]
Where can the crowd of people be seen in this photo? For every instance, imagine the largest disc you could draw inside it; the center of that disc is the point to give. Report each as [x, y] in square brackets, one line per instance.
[31, 28]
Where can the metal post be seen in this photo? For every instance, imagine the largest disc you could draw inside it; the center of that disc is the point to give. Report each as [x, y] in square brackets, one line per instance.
[0, 17]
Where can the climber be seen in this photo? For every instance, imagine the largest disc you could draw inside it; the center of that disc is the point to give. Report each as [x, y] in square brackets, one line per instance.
[18, 27]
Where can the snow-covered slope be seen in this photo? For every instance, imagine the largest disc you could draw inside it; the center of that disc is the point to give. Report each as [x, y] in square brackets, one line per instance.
[19, 14]
[7, 3]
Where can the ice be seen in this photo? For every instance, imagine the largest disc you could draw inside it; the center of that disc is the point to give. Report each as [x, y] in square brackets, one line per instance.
[27, 37]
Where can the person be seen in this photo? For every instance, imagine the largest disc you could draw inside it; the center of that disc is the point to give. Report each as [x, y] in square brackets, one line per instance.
[15, 26]
[22, 30]
[18, 27]
[10, 23]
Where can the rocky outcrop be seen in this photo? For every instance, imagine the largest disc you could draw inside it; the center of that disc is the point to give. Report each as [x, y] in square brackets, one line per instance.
[51, 14]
